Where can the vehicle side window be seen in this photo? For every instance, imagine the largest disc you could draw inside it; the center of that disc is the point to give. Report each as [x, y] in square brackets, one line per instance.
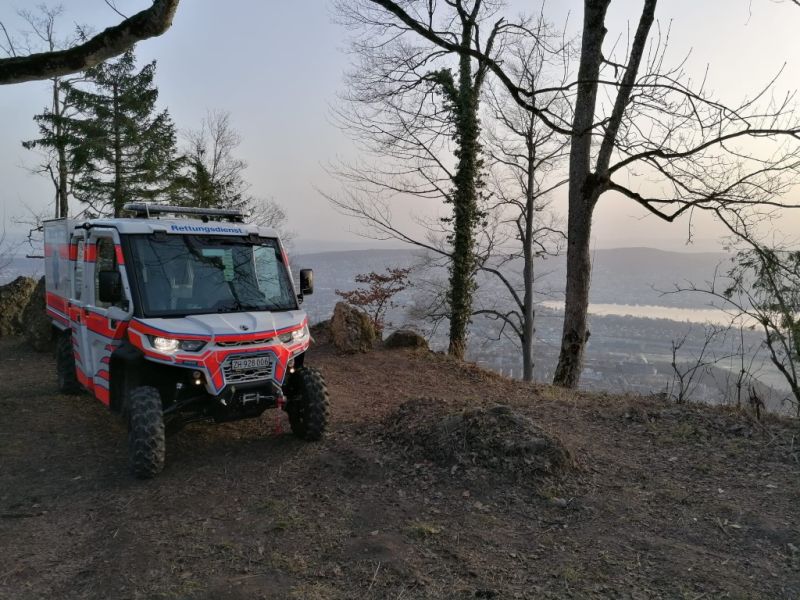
[77, 271]
[271, 274]
[106, 261]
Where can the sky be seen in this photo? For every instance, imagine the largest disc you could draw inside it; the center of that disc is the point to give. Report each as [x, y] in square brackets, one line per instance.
[278, 65]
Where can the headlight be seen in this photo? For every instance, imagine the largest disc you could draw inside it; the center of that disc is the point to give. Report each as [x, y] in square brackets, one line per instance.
[298, 335]
[166, 345]
[192, 345]
[170, 345]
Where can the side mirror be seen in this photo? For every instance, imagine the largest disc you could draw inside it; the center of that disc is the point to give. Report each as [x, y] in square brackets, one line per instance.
[306, 282]
[109, 286]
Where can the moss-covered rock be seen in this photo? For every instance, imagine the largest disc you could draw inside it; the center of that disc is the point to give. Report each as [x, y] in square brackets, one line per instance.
[14, 297]
[351, 330]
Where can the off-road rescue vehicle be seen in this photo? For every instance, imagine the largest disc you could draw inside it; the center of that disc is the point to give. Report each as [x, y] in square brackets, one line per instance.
[176, 315]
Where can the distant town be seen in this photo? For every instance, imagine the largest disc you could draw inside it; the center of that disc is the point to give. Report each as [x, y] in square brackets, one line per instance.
[625, 354]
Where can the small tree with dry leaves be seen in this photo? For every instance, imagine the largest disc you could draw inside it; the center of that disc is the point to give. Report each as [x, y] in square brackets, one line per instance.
[377, 297]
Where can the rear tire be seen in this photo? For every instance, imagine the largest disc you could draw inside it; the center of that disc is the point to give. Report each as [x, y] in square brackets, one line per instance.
[308, 406]
[65, 366]
[146, 445]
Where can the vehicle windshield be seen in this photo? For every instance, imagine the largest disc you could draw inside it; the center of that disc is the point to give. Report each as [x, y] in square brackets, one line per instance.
[192, 274]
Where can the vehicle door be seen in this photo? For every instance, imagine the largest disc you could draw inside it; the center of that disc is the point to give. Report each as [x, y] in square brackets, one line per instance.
[106, 322]
[76, 303]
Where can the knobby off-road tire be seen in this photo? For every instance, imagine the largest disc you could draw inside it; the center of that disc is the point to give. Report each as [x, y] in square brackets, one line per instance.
[146, 445]
[308, 408]
[65, 366]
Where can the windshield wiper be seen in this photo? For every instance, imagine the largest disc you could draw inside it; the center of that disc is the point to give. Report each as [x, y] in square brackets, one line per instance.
[229, 308]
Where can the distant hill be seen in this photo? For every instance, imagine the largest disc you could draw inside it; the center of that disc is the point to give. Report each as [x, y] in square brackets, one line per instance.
[620, 276]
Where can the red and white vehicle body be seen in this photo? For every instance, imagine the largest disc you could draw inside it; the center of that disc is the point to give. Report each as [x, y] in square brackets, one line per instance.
[203, 310]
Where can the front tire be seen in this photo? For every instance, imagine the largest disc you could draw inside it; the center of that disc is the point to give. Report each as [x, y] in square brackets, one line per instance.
[308, 405]
[65, 366]
[146, 444]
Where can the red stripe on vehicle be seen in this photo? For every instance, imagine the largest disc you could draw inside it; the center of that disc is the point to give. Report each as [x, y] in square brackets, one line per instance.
[103, 374]
[83, 379]
[140, 327]
[102, 394]
[75, 314]
[91, 253]
[57, 302]
[99, 324]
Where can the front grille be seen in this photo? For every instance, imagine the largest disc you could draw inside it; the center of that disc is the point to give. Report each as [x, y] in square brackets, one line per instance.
[234, 344]
[247, 375]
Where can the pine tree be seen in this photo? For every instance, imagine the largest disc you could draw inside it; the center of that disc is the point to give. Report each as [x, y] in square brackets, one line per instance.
[121, 149]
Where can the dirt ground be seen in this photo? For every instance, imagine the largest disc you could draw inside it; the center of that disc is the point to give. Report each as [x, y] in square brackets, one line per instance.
[661, 501]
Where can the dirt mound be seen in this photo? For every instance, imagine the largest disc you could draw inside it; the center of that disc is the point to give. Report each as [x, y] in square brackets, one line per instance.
[406, 338]
[497, 438]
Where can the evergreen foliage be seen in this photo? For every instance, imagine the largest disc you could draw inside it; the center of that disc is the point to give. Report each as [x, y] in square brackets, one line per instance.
[120, 148]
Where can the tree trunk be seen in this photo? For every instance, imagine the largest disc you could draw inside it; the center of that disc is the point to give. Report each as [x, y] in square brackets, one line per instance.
[118, 196]
[528, 313]
[576, 333]
[465, 204]
[61, 179]
[63, 182]
[582, 198]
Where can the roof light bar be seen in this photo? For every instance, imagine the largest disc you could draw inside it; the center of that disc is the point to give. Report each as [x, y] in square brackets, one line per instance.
[146, 210]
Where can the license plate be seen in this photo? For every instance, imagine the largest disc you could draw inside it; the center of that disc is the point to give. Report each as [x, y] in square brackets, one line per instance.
[257, 362]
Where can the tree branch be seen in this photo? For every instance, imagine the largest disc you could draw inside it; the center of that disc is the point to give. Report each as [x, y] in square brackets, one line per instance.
[111, 42]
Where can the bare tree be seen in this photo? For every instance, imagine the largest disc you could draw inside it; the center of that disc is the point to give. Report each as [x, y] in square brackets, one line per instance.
[6, 251]
[213, 175]
[650, 121]
[407, 132]
[526, 164]
[110, 42]
[414, 101]
[762, 286]
[688, 374]
[52, 142]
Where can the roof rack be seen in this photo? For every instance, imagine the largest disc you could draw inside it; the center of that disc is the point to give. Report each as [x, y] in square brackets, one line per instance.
[146, 210]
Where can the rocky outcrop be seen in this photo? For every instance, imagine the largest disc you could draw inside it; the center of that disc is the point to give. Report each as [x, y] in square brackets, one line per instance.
[406, 338]
[14, 297]
[351, 330]
[37, 327]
